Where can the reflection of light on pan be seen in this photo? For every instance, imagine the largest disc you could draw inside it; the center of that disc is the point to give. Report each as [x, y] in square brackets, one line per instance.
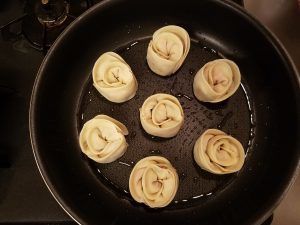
[125, 164]
[252, 118]
[247, 97]
[197, 196]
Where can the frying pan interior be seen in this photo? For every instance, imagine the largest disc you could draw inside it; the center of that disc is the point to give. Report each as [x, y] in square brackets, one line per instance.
[263, 114]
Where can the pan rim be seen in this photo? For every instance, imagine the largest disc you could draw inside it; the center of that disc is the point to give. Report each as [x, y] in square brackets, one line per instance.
[273, 40]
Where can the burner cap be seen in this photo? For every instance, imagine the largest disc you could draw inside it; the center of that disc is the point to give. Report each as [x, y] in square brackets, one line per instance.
[51, 13]
[46, 19]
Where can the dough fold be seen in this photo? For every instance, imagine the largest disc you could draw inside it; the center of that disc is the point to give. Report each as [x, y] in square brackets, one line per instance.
[161, 115]
[153, 181]
[102, 139]
[113, 78]
[218, 153]
[217, 80]
[168, 49]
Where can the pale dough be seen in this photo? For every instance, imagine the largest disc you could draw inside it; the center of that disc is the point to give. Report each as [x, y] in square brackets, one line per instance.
[161, 115]
[113, 78]
[217, 80]
[153, 181]
[102, 139]
[218, 153]
[168, 49]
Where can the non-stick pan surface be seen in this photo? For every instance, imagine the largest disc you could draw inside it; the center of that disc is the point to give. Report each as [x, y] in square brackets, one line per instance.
[263, 114]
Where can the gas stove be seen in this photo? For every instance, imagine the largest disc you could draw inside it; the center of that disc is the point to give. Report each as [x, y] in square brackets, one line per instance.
[28, 28]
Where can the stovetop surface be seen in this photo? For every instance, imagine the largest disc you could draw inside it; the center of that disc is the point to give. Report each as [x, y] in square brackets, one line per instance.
[24, 197]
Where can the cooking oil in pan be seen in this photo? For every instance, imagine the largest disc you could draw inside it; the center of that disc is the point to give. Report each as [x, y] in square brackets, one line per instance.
[234, 116]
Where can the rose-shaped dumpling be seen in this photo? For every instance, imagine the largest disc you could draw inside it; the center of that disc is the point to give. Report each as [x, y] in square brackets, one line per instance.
[161, 115]
[113, 78]
[153, 181]
[217, 80]
[102, 139]
[218, 153]
[168, 49]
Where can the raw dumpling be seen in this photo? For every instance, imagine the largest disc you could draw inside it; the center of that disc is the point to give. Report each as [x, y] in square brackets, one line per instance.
[113, 78]
[161, 115]
[102, 139]
[217, 80]
[168, 49]
[218, 153]
[153, 181]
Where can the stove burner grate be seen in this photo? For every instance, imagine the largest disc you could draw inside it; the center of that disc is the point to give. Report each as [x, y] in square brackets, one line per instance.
[43, 21]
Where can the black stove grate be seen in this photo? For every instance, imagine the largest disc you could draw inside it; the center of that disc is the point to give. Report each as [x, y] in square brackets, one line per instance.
[40, 35]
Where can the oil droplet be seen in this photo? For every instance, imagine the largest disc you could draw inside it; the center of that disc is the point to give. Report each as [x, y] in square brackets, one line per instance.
[252, 119]
[207, 49]
[154, 138]
[213, 51]
[249, 144]
[192, 71]
[155, 152]
[219, 112]
[182, 176]
[252, 133]
[179, 95]
[134, 43]
[247, 97]
[125, 164]
[197, 196]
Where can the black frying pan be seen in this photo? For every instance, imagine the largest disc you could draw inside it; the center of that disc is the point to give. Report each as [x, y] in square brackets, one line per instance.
[263, 114]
